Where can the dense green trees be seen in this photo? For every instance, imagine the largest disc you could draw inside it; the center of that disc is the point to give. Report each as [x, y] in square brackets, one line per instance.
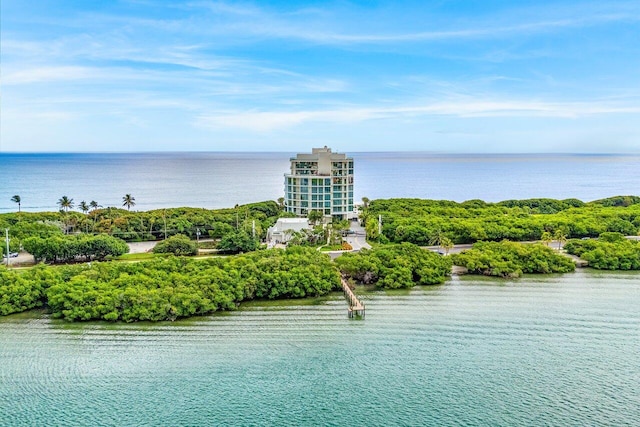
[511, 259]
[421, 221]
[611, 251]
[395, 266]
[24, 290]
[84, 247]
[168, 288]
[177, 245]
[149, 225]
[236, 242]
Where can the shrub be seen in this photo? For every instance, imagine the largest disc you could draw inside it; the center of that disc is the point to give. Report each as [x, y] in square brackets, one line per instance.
[511, 259]
[179, 245]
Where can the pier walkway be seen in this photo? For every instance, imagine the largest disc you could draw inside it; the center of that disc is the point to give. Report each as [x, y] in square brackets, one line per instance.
[356, 307]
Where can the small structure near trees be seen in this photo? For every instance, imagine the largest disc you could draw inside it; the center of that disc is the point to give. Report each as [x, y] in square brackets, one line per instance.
[284, 229]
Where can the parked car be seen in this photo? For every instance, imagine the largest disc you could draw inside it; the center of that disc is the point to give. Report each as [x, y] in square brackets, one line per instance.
[11, 254]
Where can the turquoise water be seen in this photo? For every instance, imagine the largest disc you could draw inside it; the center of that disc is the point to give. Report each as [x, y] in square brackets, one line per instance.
[560, 350]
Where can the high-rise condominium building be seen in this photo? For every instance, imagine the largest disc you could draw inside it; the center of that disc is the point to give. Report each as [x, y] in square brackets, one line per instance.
[321, 181]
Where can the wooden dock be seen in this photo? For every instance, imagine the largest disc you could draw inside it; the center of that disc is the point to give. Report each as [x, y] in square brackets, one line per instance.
[356, 307]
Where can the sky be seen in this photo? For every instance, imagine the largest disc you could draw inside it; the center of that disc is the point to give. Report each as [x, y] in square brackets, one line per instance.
[444, 76]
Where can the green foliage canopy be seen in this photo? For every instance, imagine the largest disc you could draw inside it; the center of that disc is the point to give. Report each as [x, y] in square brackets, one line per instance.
[423, 221]
[511, 259]
[395, 266]
[611, 251]
[84, 247]
[177, 245]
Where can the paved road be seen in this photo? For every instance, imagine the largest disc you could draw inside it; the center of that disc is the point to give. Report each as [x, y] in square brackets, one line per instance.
[141, 247]
[358, 239]
[23, 258]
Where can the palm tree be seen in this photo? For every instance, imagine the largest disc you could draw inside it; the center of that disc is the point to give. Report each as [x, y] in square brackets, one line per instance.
[94, 205]
[16, 199]
[437, 238]
[365, 202]
[561, 237]
[128, 200]
[281, 203]
[65, 203]
[315, 216]
[446, 244]
[546, 238]
[83, 207]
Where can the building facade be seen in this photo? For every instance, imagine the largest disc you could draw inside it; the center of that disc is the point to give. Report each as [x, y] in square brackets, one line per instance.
[320, 181]
[283, 229]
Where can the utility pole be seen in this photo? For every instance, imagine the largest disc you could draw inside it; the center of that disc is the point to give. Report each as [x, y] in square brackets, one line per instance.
[253, 228]
[6, 232]
[379, 225]
[198, 236]
[164, 216]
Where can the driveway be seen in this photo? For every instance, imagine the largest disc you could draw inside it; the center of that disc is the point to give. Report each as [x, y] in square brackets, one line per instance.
[357, 240]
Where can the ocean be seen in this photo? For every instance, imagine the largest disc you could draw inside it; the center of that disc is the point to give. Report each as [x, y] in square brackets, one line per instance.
[218, 180]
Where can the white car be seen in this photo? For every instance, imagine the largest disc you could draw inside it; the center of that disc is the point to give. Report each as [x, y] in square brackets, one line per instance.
[11, 255]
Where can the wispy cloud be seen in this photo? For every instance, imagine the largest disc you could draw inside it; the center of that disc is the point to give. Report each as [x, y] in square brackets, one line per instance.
[271, 67]
[48, 75]
[266, 121]
[251, 21]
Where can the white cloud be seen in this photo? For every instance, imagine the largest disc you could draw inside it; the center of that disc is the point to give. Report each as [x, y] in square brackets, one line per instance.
[48, 74]
[265, 121]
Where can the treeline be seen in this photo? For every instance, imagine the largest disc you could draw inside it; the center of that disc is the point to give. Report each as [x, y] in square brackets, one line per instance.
[395, 266]
[167, 288]
[36, 225]
[146, 225]
[174, 287]
[511, 259]
[82, 247]
[22, 290]
[611, 251]
[428, 222]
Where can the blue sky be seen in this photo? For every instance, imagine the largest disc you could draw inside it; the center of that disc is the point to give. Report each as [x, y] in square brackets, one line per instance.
[489, 76]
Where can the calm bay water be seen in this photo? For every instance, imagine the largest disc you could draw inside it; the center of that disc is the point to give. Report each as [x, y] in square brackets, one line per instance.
[216, 180]
[560, 350]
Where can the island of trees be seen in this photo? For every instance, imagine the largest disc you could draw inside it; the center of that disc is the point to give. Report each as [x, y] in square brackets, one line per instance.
[76, 279]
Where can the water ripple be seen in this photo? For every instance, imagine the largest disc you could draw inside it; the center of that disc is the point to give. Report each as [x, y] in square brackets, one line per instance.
[471, 352]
